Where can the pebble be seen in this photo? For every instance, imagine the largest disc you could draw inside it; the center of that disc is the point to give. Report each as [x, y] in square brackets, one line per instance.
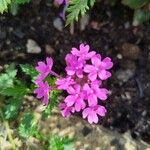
[124, 75]
[130, 51]
[49, 50]
[127, 25]
[32, 47]
[119, 56]
[58, 24]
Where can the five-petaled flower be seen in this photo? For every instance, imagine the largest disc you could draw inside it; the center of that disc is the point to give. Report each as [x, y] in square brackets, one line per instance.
[98, 68]
[91, 113]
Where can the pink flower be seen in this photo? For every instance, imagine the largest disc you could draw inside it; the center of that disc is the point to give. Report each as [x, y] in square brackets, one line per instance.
[93, 92]
[65, 110]
[74, 66]
[39, 79]
[75, 98]
[91, 113]
[64, 83]
[83, 52]
[45, 68]
[98, 68]
[43, 91]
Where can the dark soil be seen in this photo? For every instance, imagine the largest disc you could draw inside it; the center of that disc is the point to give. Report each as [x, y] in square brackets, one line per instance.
[128, 105]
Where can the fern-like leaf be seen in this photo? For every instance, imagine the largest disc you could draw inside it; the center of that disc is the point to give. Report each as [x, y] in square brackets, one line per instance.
[4, 5]
[11, 110]
[29, 70]
[7, 79]
[15, 91]
[76, 8]
[28, 126]
[60, 143]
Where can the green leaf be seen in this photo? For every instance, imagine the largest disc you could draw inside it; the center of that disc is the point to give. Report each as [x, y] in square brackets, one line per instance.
[141, 16]
[134, 4]
[76, 8]
[60, 143]
[22, 1]
[15, 91]
[28, 126]
[52, 103]
[29, 70]
[7, 79]
[11, 110]
[4, 5]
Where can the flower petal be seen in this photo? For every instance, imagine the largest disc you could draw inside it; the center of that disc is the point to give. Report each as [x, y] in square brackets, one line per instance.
[86, 112]
[96, 60]
[89, 68]
[106, 63]
[101, 111]
[75, 51]
[92, 76]
[70, 100]
[92, 100]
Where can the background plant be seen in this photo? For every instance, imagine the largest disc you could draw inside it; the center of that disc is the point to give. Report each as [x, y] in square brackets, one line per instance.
[77, 8]
[14, 109]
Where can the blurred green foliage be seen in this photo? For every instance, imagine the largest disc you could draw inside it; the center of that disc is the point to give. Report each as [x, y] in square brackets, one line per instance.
[13, 107]
[141, 10]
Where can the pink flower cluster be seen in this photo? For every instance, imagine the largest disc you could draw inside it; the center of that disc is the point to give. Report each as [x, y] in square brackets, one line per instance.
[44, 70]
[85, 72]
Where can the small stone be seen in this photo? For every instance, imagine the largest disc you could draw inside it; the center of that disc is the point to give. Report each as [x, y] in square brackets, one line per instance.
[49, 50]
[124, 75]
[58, 24]
[32, 47]
[119, 56]
[126, 25]
[130, 51]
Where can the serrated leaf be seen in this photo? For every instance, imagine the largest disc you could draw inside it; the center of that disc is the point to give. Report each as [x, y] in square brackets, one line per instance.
[4, 5]
[11, 110]
[141, 16]
[29, 70]
[76, 8]
[60, 143]
[134, 4]
[52, 103]
[28, 126]
[15, 91]
[7, 79]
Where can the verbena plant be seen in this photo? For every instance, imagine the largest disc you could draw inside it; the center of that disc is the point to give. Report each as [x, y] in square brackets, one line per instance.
[12, 93]
[82, 85]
